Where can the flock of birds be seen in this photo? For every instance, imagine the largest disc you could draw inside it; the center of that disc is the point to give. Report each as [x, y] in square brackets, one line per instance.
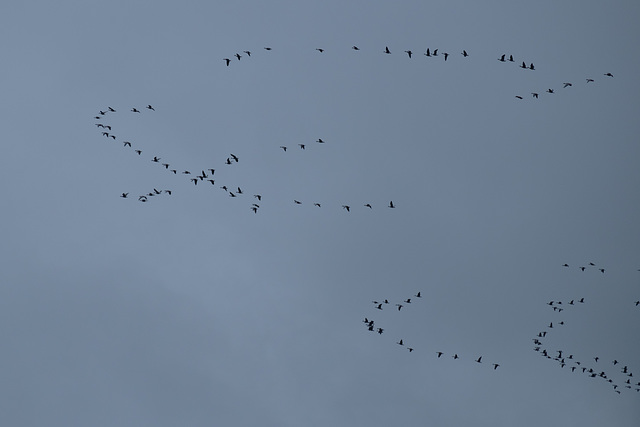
[380, 305]
[445, 55]
[205, 175]
[592, 367]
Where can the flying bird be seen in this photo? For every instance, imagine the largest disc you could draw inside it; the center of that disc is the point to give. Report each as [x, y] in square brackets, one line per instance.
[347, 208]
[386, 50]
[234, 157]
[267, 48]
[227, 60]
[608, 74]
[479, 360]
[464, 53]
[446, 55]
[297, 202]
[247, 52]
[495, 366]
[501, 59]
[408, 52]
[391, 205]
[590, 80]
[531, 67]
[139, 152]
[124, 195]
[535, 95]
[355, 48]
[283, 148]
[320, 141]
[237, 55]
[135, 110]
[258, 196]
[111, 109]
[149, 107]
[566, 84]
[427, 53]
[301, 146]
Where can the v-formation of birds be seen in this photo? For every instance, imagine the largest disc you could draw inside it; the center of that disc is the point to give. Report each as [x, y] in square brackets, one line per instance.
[614, 372]
[429, 53]
[204, 176]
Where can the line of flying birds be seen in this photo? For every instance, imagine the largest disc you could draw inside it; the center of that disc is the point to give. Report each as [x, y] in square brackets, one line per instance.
[203, 176]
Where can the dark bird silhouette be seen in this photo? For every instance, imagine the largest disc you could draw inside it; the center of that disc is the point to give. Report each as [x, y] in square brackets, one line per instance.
[550, 90]
[608, 74]
[408, 52]
[234, 157]
[186, 173]
[320, 141]
[239, 191]
[212, 181]
[565, 265]
[601, 270]
[254, 209]
[301, 146]
[518, 96]
[590, 80]
[156, 159]
[391, 205]
[501, 59]
[142, 198]
[386, 50]
[418, 295]
[231, 194]
[135, 110]
[495, 366]
[479, 360]
[267, 48]
[531, 67]
[368, 205]
[127, 143]
[247, 52]
[379, 306]
[237, 55]
[139, 152]
[427, 53]
[195, 181]
[228, 161]
[511, 58]
[168, 192]
[455, 356]
[535, 95]
[316, 204]
[124, 195]
[149, 107]
[464, 53]
[297, 202]
[224, 187]
[380, 331]
[111, 109]
[439, 353]
[227, 60]
[566, 84]
[523, 65]
[410, 349]
[399, 306]
[582, 268]
[283, 148]
[257, 196]
[435, 52]
[446, 55]
[348, 208]
[319, 50]
[400, 342]
[355, 48]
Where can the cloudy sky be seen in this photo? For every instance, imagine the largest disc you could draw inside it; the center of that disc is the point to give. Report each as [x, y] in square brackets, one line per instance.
[191, 309]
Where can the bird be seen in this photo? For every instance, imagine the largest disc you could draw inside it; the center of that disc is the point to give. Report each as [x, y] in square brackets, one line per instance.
[254, 209]
[228, 161]
[317, 204]
[139, 152]
[127, 143]
[224, 187]
[301, 146]
[608, 74]
[535, 95]
[319, 50]
[601, 270]
[355, 48]
[247, 52]
[135, 110]
[565, 265]
[582, 268]
[156, 159]
[157, 191]
[408, 52]
[239, 191]
[455, 356]
[523, 65]
[495, 366]
[399, 306]
[297, 202]
[168, 192]
[258, 196]
[566, 84]
[186, 173]
[194, 180]
[501, 59]
[439, 353]
[427, 53]
[231, 194]
[124, 195]
[380, 331]
[518, 96]
[347, 207]
[320, 141]
[149, 107]
[400, 342]
[212, 171]
[227, 60]
[212, 181]
[142, 198]
[435, 52]
[446, 55]
[479, 360]
[368, 205]
[464, 53]
[531, 67]
[379, 306]
[267, 48]
[283, 148]
[418, 295]
[391, 205]
[237, 55]
[111, 109]
[550, 90]
[511, 58]
[234, 157]
[590, 80]
[410, 349]
[386, 50]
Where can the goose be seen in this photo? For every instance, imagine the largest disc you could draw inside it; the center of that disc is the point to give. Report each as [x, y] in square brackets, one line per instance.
[386, 50]
[464, 53]
[237, 55]
[135, 110]
[446, 55]
[347, 207]
[139, 152]
[124, 195]
[149, 107]
[479, 360]
[227, 60]
[234, 157]
[408, 52]
[258, 196]
[319, 50]
[247, 52]
[535, 95]
[501, 59]
[111, 109]
[391, 205]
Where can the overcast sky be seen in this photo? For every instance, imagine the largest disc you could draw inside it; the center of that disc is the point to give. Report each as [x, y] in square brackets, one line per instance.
[192, 309]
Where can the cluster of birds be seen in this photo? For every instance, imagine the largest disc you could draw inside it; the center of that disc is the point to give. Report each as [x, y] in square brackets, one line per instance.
[583, 268]
[379, 305]
[536, 95]
[594, 369]
[205, 175]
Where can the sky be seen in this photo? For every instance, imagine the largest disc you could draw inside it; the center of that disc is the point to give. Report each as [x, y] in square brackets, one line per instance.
[190, 308]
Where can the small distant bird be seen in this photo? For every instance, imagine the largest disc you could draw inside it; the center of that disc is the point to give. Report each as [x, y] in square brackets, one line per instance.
[511, 58]
[319, 50]
[518, 96]
[386, 50]
[601, 270]
[531, 67]
[127, 143]
[142, 198]
[227, 60]
[637, 303]
[550, 90]
[427, 53]
[596, 359]
[590, 80]
[608, 74]
[186, 172]
[495, 366]
[501, 59]
[212, 171]
[581, 300]
[301, 146]
[156, 159]
[566, 84]
[446, 55]
[212, 181]
[400, 342]
[231, 194]
[435, 52]
[582, 268]
[368, 205]
[228, 161]
[439, 353]
[267, 48]
[254, 209]
[592, 264]
[237, 55]
[316, 204]
[135, 110]
[149, 107]
[408, 52]
[247, 52]
[111, 109]
[258, 196]
[464, 53]
[379, 306]
[479, 360]
[535, 95]
[166, 165]
[523, 65]
[418, 295]
[194, 180]
[239, 191]
[399, 306]
[157, 191]
[139, 152]
[234, 157]
[168, 192]
[455, 356]
[224, 187]
[297, 202]
[391, 205]
[565, 265]
[124, 195]
[355, 48]
[347, 208]
[320, 141]
[380, 331]
[410, 349]
[408, 300]
[283, 148]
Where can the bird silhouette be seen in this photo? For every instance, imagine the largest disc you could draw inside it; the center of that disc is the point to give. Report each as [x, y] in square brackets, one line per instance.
[464, 53]
[227, 60]
[391, 205]
[535, 95]
[566, 84]
[608, 74]
[408, 52]
[149, 107]
[237, 55]
[386, 50]
[479, 360]
[124, 195]
[319, 50]
[501, 59]
[348, 208]
[355, 48]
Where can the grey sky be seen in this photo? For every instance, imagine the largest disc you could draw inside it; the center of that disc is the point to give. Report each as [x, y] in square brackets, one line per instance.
[190, 309]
